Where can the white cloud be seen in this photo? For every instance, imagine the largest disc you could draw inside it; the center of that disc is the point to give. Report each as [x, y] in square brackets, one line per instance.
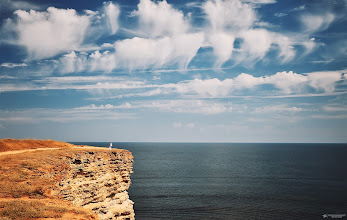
[279, 108]
[183, 125]
[140, 53]
[286, 82]
[189, 106]
[104, 61]
[264, 24]
[315, 23]
[231, 14]
[280, 14]
[13, 65]
[94, 107]
[324, 80]
[208, 87]
[285, 45]
[231, 20]
[257, 43]
[154, 92]
[112, 13]
[179, 106]
[223, 45]
[14, 5]
[160, 19]
[299, 8]
[260, 1]
[73, 62]
[45, 34]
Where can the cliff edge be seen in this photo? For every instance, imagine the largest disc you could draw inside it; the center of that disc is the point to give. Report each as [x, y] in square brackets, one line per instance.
[69, 183]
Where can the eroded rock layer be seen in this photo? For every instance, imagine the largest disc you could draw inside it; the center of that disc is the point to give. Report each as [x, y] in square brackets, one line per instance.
[98, 180]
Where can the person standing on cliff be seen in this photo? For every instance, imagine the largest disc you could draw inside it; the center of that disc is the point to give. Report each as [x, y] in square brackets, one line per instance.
[110, 147]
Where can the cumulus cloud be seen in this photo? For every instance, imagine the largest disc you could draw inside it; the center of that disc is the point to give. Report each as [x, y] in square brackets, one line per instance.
[286, 82]
[160, 19]
[231, 20]
[73, 62]
[225, 20]
[324, 80]
[208, 87]
[231, 14]
[46, 34]
[176, 49]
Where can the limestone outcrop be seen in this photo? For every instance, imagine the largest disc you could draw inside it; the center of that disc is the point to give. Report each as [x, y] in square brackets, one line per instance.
[98, 180]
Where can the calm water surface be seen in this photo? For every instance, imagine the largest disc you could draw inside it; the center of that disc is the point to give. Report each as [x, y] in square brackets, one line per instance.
[237, 181]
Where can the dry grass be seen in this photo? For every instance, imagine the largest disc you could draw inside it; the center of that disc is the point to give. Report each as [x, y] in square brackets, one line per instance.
[13, 144]
[26, 180]
[31, 174]
[25, 209]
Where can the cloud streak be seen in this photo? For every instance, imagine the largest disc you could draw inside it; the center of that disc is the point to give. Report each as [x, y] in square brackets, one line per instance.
[285, 82]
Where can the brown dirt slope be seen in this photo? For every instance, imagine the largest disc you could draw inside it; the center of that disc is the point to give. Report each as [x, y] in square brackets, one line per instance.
[13, 144]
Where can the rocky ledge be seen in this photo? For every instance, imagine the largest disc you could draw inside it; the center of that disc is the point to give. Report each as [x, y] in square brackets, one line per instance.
[98, 180]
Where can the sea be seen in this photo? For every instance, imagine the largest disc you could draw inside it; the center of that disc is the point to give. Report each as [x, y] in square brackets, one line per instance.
[237, 180]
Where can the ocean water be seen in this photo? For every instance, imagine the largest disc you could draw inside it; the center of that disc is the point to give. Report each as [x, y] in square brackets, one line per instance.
[237, 181]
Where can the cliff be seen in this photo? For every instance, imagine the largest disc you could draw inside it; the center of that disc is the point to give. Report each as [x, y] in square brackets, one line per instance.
[99, 181]
[70, 183]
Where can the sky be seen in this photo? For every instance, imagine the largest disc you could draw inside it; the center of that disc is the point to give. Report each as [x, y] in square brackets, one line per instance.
[174, 71]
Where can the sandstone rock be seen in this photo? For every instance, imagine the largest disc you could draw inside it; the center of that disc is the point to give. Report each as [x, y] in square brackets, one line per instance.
[98, 180]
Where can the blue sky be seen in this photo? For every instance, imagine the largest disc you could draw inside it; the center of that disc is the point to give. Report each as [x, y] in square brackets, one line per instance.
[174, 71]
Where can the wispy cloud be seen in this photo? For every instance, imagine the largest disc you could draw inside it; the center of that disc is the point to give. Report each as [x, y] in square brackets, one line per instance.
[13, 65]
[335, 108]
[192, 106]
[280, 14]
[283, 108]
[299, 8]
[37, 115]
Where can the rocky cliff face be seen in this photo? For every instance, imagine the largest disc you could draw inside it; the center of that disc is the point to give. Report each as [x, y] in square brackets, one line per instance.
[98, 180]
